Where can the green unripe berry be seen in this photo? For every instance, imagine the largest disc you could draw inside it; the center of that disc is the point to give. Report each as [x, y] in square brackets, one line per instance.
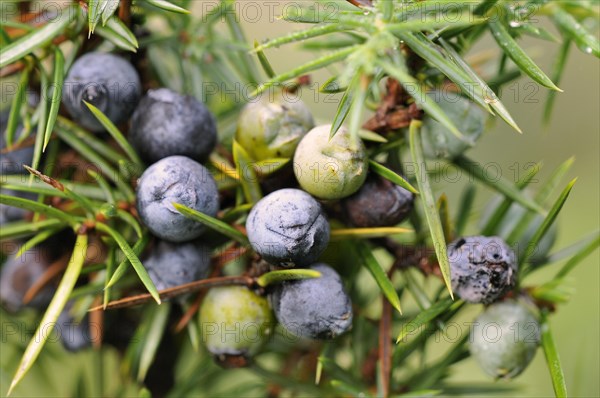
[505, 338]
[330, 169]
[468, 117]
[272, 127]
[234, 321]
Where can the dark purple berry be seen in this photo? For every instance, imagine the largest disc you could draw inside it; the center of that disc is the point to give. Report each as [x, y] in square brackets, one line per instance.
[379, 203]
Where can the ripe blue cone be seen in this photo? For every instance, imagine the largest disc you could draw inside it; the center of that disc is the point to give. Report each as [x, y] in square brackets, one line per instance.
[288, 228]
[166, 123]
[176, 179]
[174, 264]
[108, 82]
[316, 308]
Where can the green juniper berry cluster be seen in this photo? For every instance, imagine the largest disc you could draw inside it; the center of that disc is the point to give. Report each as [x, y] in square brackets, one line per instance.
[198, 233]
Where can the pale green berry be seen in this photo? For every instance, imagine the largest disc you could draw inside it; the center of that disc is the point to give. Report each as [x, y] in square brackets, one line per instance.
[467, 117]
[504, 339]
[235, 321]
[330, 169]
[271, 127]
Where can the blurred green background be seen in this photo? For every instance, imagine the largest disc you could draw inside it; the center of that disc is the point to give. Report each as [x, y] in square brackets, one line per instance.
[573, 131]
